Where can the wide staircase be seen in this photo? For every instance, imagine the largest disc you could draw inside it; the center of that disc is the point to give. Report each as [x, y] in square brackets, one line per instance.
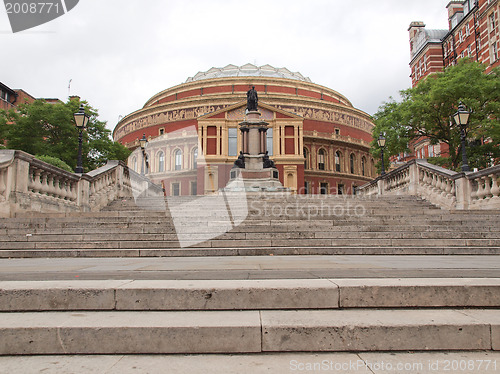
[84, 317]
[254, 225]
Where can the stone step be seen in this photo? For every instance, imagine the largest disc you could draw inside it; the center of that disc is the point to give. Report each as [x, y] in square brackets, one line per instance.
[379, 224]
[106, 251]
[169, 241]
[187, 332]
[73, 236]
[194, 295]
[308, 230]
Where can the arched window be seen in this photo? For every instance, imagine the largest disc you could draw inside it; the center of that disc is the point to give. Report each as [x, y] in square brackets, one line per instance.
[338, 157]
[178, 159]
[161, 162]
[232, 137]
[306, 159]
[321, 159]
[363, 166]
[269, 140]
[134, 163]
[195, 158]
[351, 162]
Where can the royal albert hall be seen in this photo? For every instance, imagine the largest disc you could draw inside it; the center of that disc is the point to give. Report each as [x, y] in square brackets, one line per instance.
[319, 142]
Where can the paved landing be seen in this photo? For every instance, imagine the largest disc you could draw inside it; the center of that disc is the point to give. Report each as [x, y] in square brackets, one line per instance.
[254, 267]
[374, 363]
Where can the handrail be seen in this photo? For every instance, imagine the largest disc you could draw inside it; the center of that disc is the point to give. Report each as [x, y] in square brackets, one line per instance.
[440, 186]
[28, 184]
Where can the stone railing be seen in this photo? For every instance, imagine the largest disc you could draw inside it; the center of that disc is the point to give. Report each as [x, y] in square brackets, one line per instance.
[484, 189]
[442, 187]
[30, 185]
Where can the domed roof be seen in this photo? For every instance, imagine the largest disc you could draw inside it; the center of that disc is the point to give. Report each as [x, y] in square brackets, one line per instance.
[248, 70]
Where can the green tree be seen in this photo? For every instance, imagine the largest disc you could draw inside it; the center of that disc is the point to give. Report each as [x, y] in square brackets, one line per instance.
[42, 128]
[427, 110]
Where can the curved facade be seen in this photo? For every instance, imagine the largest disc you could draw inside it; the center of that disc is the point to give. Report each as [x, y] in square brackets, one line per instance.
[318, 140]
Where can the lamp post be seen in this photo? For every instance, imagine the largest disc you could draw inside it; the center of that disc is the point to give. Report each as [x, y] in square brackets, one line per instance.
[81, 121]
[381, 144]
[143, 142]
[462, 119]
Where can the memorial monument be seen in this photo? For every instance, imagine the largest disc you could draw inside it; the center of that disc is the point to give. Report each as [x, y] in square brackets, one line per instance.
[254, 170]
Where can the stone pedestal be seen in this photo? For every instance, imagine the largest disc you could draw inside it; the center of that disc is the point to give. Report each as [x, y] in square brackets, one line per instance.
[254, 176]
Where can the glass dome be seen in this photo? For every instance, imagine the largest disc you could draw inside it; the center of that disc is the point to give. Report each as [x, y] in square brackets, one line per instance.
[248, 70]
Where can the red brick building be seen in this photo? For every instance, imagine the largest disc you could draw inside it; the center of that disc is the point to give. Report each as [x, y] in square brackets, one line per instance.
[318, 140]
[12, 98]
[8, 97]
[473, 31]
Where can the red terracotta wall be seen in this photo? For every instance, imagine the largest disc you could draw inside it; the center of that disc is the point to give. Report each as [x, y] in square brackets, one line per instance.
[154, 131]
[329, 128]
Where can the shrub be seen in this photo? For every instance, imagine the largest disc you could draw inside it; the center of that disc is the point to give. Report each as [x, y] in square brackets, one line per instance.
[55, 162]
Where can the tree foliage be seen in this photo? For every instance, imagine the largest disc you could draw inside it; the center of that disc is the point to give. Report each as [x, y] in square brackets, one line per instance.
[42, 128]
[427, 109]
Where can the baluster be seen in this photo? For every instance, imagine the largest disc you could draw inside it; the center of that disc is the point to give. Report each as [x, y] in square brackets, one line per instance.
[447, 190]
[3, 184]
[480, 189]
[51, 186]
[74, 193]
[37, 181]
[57, 188]
[43, 183]
[453, 192]
[92, 188]
[69, 193]
[487, 188]
[63, 189]
[439, 184]
[425, 179]
[434, 182]
[446, 184]
[473, 194]
[495, 189]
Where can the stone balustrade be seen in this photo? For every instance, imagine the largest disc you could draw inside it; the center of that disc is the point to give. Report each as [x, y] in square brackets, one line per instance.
[30, 185]
[485, 188]
[442, 187]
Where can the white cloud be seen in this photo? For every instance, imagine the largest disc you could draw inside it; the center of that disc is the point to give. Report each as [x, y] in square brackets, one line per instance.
[120, 53]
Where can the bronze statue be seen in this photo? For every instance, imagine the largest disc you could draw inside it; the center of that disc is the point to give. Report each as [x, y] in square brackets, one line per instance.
[240, 162]
[268, 163]
[252, 100]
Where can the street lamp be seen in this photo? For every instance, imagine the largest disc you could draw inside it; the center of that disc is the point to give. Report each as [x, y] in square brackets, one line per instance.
[81, 121]
[462, 119]
[143, 142]
[381, 144]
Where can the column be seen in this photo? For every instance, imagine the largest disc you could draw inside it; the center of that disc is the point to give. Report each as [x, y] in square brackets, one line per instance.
[298, 150]
[282, 140]
[244, 136]
[301, 139]
[263, 143]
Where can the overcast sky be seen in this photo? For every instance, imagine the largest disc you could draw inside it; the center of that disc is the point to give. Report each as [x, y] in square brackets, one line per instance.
[119, 53]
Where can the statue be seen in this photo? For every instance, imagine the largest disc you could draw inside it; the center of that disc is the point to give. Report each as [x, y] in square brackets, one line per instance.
[268, 163]
[240, 162]
[252, 100]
